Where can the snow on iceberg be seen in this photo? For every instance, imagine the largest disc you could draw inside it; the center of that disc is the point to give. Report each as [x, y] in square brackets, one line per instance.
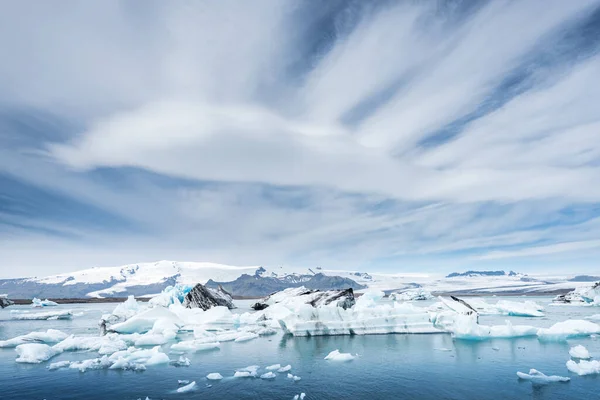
[34, 353]
[568, 329]
[214, 376]
[538, 378]
[42, 303]
[584, 367]
[188, 388]
[49, 315]
[335, 355]
[580, 352]
[50, 336]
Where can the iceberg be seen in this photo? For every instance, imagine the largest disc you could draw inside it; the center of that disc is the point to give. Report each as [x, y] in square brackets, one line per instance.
[108, 344]
[49, 315]
[214, 376]
[538, 378]
[412, 295]
[268, 375]
[187, 388]
[465, 327]
[335, 355]
[94, 363]
[205, 298]
[42, 303]
[581, 296]
[34, 353]
[4, 301]
[50, 336]
[568, 329]
[580, 352]
[584, 367]
[516, 309]
[144, 321]
[315, 298]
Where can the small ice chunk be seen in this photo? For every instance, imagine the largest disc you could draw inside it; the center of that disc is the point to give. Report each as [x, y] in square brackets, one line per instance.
[188, 388]
[214, 376]
[300, 396]
[181, 362]
[273, 367]
[584, 367]
[496, 348]
[337, 356]
[285, 369]
[58, 365]
[183, 382]
[34, 353]
[293, 377]
[580, 352]
[538, 378]
[442, 349]
[248, 372]
[268, 375]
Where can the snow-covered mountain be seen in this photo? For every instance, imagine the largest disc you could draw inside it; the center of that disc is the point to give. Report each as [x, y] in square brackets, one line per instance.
[150, 278]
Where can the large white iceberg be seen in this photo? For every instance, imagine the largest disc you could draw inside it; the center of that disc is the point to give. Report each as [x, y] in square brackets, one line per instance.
[538, 378]
[50, 336]
[144, 321]
[466, 327]
[569, 329]
[584, 367]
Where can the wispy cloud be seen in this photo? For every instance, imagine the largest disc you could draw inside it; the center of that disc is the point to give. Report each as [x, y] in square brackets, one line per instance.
[286, 132]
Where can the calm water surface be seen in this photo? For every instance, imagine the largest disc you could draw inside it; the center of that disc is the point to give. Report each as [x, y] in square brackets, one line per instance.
[389, 366]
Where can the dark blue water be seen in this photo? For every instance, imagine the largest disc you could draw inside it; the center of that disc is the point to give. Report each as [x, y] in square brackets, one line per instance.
[389, 367]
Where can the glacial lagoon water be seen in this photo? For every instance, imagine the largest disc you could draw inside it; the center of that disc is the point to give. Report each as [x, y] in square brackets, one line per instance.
[430, 366]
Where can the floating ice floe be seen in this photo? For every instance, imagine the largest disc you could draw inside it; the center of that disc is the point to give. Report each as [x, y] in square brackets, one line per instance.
[568, 329]
[193, 346]
[268, 375]
[335, 355]
[293, 377]
[285, 369]
[50, 336]
[273, 367]
[181, 362]
[58, 365]
[412, 295]
[248, 372]
[188, 388]
[34, 353]
[183, 382]
[466, 327]
[580, 352]
[48, 315]
[538, 378]
[108, 344]
[42, 303]
[300, 396]
[584, 367]
[214, 376]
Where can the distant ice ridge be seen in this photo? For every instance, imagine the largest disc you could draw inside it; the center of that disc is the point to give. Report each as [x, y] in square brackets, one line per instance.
[42, 303]
[538, 378]
[48, 315]
[412, 295]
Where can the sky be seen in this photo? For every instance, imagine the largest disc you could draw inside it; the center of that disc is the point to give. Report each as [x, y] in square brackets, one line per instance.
[400, 136]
